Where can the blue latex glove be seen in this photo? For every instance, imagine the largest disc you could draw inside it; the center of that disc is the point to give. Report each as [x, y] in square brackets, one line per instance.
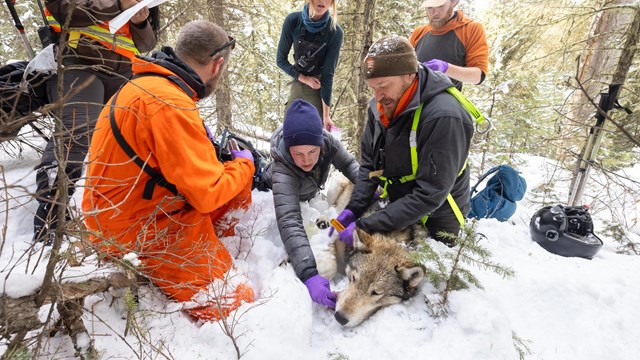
[437, 65]
[320, 291]
[242, 154]
[346, 235]
[345, 218]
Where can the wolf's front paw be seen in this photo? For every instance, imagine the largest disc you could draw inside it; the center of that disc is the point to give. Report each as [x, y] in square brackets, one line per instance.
[322, 223]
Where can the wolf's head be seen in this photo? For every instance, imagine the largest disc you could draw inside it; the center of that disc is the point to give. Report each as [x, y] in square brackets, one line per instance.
[380, 274]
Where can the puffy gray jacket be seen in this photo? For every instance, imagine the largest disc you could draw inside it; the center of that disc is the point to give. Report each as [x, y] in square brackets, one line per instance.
[291, 185]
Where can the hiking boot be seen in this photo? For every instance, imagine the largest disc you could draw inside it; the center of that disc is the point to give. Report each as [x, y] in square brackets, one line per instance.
[45, 222]
[41, 234]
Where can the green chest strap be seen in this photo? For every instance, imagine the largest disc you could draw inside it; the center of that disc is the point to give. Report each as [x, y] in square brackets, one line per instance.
[413, 144]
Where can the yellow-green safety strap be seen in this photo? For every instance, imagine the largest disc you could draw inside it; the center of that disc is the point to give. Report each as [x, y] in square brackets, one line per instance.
[101, 34]
[97, 33]
[413, 143]
[53, 22]
[473, 111]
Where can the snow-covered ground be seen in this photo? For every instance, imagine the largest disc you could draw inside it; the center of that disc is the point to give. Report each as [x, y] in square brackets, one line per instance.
[560, 308]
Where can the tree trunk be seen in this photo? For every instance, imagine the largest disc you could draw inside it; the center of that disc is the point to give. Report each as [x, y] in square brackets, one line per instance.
[629, 48]
[607, 58]
[597, 65]
[21, 314]
[363, 94]
[223, 93]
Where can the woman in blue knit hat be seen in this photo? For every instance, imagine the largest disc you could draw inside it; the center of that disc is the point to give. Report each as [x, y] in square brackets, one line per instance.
[316, 39]
[302, 154]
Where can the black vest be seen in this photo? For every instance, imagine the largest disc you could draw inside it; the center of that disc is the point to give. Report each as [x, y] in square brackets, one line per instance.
[309, 52]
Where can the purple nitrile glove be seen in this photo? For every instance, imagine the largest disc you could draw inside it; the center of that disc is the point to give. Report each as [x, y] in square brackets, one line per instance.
[345, 218]
[346, 235]
[242, 154]
[437, 65]
[320, 291]
[209, 133]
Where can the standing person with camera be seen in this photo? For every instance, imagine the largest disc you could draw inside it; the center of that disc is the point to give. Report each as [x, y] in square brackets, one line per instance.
[155, 186]
[96, 64]
[316, 39]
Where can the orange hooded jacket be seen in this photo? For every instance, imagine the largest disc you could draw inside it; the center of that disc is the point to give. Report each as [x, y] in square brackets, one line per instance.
[173, 236]
[472, 39]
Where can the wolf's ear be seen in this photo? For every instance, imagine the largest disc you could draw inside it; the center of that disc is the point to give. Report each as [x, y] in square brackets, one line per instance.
[360, 240]
[413, 274]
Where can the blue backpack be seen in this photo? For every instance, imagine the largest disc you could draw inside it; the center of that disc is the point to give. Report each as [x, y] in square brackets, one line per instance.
[498, 199]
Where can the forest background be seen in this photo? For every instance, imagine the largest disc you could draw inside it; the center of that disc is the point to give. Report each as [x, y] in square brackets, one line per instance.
[549, 61]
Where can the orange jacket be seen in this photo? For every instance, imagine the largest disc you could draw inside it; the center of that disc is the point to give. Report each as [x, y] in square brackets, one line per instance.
[470, 34]
[174, 236]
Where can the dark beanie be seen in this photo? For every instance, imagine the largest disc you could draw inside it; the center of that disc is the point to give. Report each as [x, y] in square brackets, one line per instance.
[391, 56]
[302, 125]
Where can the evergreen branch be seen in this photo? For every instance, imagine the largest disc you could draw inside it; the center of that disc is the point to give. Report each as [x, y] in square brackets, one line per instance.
[521, 346]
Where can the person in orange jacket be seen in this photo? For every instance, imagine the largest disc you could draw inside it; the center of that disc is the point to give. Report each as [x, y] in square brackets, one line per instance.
[452, 43]
[154, 184]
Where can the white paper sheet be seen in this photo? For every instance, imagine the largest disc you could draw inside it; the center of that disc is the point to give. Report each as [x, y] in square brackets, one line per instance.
[118, 21]
[43, 62]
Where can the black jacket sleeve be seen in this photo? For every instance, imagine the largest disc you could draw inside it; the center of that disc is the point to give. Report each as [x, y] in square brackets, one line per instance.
[143, 36]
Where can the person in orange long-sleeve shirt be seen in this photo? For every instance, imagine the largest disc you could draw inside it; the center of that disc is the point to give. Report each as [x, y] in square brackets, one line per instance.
[452, 43]
[155, 186]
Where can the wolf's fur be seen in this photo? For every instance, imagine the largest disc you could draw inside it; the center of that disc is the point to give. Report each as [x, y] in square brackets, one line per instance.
[380, 274]
[379, 269]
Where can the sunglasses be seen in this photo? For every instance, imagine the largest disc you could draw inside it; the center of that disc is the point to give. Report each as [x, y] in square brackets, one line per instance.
[231, 43]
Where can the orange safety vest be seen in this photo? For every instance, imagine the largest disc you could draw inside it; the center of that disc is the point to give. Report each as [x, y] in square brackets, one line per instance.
[121, 42]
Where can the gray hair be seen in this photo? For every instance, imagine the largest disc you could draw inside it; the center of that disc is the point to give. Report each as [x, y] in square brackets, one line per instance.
[198, 39]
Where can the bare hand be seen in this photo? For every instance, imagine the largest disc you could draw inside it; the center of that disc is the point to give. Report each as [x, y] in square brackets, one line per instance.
[328, 123]
[125, 4]
[141, 16]
[310, 81]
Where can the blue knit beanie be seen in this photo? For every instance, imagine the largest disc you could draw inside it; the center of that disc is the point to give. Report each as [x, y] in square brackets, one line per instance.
[302, 125]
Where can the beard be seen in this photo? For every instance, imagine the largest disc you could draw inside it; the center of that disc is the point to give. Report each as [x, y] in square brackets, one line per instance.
[389, 112]
[212, 84]
[440, 22]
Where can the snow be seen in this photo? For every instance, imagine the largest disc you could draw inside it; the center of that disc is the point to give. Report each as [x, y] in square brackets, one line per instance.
[19, 285]
[132, 258]
[385, 45]
[559, 308]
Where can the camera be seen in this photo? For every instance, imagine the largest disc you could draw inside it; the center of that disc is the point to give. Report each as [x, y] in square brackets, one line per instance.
[228, 141]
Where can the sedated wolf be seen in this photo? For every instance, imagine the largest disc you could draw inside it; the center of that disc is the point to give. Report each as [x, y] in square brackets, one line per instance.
[378, 267]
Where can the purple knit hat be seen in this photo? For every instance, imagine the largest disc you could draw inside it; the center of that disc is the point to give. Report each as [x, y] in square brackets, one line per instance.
[302, 125]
